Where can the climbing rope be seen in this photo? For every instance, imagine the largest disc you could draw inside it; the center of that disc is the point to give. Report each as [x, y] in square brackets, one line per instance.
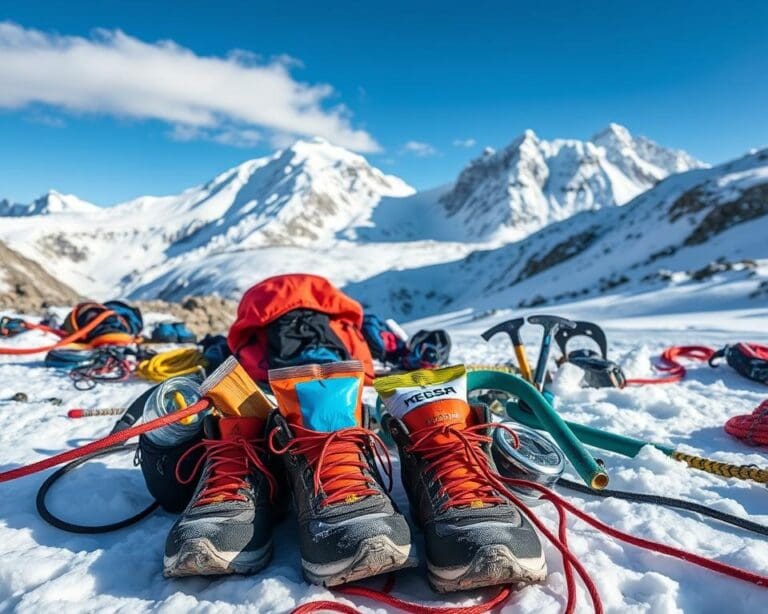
[174, 363]
[669, 364]
[64, 340]
[726, 470]
[752, 428]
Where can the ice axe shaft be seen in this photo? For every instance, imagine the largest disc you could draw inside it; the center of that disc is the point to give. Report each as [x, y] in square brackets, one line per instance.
[551, 325]
[512, 328]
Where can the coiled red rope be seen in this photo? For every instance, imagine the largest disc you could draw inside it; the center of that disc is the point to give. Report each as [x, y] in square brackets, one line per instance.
[752, 428]
[669, 364]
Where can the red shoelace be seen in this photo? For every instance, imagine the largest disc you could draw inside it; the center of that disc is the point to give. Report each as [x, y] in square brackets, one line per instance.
[335, 459]
[456, 460]
[230, 460]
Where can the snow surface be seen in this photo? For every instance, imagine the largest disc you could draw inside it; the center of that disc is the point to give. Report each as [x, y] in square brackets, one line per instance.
[43, 569]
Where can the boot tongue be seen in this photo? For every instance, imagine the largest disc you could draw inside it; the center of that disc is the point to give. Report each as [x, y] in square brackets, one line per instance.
[249, 428]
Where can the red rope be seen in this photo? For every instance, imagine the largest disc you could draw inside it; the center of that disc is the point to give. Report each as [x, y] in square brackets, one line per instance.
[46, 329]
[570, 563]
[104, 442]
[670, 365]
[752, 428]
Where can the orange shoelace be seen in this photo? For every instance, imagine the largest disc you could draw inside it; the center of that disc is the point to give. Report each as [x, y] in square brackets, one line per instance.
[336, 463]
[230, 460]
[456, 460]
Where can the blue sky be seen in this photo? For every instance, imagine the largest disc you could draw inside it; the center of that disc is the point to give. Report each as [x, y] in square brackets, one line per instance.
[421, 87]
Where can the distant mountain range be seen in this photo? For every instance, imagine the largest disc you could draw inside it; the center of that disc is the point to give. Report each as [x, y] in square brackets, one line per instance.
[509, 218]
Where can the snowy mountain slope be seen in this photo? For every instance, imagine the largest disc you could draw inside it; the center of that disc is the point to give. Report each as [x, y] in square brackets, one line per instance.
[702, 231]
[353, 220]
[43, 569]
[305, 194]
[533, 182]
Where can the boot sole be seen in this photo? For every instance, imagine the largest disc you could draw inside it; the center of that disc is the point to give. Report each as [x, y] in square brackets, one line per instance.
[491, 565]
[374, 556]
[198, 557]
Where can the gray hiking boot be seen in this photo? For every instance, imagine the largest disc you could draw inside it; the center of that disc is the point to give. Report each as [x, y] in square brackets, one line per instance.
[475, 536]
[349, 528]
[227, 526]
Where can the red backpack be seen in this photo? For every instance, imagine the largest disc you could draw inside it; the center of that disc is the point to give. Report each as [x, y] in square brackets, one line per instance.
[297, 319]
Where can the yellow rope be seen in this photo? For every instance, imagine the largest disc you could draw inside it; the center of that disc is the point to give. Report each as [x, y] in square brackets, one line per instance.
[742, 472]
[173, 363]
[501, 368]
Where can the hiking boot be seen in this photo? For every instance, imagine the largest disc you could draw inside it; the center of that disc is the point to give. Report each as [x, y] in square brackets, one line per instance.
[227, 526]
[349, 528]
[475, 536]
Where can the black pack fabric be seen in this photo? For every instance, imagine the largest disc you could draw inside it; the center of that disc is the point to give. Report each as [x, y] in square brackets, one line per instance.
[303, 336]
[748, 359]
[215, 351]
[158, 465]
[599, 372]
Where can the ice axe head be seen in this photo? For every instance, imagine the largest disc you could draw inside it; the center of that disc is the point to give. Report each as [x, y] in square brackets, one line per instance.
[551, 325]
[512, 328]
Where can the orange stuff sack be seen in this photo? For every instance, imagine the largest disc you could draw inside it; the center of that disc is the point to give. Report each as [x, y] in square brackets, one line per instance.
[262, 337]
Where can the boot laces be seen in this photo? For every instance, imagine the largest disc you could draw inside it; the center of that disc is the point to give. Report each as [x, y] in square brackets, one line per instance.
[229, 462]
[455, 459]
[339, 472]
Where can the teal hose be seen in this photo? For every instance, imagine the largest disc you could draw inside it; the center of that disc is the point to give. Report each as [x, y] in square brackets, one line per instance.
[545, 417]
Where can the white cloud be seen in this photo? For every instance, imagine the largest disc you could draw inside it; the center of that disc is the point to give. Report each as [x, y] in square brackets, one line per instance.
[417, 148]
[464, 142]
[113, 73]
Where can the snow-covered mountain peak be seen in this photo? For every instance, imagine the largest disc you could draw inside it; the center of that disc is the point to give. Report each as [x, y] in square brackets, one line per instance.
[621, 145]
[51, 202]
[532, 182]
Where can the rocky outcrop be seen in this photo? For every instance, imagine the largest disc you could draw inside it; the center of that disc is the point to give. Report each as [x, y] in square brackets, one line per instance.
[202, 314]
[26, 287]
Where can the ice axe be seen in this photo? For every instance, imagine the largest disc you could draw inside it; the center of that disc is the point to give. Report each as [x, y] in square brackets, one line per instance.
[512, 328]
[551, 325]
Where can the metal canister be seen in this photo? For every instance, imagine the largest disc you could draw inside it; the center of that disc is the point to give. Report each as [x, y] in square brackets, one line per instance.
[537, 459]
